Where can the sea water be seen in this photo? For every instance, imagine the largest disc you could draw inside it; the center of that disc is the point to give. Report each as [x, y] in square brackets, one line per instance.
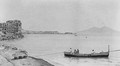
[51, 47]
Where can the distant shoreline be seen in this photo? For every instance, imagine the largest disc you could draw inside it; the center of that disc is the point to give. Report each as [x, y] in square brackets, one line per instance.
[46, 32]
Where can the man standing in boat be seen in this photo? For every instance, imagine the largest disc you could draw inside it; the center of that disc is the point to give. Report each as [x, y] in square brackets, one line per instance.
[93, 51]
[70, 50]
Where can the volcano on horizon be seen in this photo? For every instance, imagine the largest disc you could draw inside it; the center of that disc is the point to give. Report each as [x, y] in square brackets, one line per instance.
[95, 31]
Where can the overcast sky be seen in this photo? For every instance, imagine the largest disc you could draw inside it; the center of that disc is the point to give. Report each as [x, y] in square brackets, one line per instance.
[62, 15]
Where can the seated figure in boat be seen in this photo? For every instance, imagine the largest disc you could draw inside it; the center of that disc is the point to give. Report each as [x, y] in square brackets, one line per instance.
[76, 51]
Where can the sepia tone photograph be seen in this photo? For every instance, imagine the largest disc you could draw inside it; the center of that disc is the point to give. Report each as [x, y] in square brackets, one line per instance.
[59, 32]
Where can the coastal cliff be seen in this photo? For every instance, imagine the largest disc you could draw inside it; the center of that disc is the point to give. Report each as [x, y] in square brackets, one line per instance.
[10, 30]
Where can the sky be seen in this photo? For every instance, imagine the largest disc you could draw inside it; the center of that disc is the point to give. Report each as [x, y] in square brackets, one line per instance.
[62, 15]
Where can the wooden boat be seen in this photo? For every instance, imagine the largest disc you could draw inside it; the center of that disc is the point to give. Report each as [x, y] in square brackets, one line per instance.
[100, 54]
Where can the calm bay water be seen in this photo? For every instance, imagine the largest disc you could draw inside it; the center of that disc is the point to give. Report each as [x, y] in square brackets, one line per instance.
[51, 47]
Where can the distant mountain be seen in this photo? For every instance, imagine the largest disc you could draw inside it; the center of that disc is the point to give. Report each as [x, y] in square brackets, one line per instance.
[95, 31]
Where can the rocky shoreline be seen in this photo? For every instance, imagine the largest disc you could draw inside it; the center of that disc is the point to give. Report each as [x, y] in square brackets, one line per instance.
[20, 36]
[18, 57]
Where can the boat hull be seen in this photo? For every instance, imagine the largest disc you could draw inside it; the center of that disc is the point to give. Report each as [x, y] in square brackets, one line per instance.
[85, 55]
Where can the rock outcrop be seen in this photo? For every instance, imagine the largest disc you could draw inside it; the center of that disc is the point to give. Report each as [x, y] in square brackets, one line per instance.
[18, 57]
